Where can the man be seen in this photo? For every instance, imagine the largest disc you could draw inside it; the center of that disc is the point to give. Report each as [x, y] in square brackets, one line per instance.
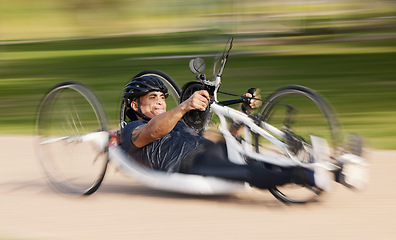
[158, 139]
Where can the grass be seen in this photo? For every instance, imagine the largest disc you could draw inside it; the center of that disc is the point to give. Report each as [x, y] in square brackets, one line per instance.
[357, 77]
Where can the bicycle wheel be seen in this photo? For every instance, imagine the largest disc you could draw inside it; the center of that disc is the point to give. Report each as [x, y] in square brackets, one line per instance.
[72, 139]
[299, 112]
[173, 90]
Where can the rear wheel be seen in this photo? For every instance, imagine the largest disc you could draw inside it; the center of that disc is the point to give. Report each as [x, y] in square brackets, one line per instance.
[299, 112]
[72, 139]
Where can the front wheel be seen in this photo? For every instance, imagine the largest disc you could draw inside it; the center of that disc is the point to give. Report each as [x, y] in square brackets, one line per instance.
[299, 112]
[72, 139]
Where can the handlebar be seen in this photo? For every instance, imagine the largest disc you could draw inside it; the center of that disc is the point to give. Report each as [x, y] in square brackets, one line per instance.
[231, 102]
[243, 99]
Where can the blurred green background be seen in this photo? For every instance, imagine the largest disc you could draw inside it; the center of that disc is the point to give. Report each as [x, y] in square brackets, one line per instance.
[345, 50]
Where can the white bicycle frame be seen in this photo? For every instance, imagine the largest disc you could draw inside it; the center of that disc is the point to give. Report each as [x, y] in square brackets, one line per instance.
[238, 152]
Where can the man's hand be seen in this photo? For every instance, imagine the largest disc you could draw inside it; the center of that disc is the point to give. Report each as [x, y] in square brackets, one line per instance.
[247, 108]
[198, 101]
[253, 103]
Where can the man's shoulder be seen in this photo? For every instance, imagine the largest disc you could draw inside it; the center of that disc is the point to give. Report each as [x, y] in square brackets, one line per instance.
[132, 125]
[127, 131]
[136, 123]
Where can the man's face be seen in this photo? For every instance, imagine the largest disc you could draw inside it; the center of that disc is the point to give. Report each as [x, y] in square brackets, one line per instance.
[151, 104]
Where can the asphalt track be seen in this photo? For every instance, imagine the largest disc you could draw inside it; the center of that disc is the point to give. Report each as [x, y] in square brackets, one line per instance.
[123, 209]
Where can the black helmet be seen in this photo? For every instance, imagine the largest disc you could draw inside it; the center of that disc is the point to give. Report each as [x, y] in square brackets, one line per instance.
[140, 86]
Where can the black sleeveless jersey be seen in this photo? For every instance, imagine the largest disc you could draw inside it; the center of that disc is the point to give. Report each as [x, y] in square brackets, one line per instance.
[170, 153]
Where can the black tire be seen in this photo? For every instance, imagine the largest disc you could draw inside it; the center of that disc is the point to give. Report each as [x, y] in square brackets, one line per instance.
[72, 167]
[311, 116]
[196, 119]
[173, 90]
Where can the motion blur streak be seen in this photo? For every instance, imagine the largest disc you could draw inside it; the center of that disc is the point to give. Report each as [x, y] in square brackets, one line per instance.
[344, 49]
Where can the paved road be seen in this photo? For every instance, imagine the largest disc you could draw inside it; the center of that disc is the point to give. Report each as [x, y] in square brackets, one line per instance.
[123, 209]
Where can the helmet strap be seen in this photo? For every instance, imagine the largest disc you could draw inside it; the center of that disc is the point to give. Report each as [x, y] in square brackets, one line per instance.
[139, 112]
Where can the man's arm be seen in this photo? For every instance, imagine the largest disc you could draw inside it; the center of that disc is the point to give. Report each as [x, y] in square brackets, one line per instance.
[162, 124]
